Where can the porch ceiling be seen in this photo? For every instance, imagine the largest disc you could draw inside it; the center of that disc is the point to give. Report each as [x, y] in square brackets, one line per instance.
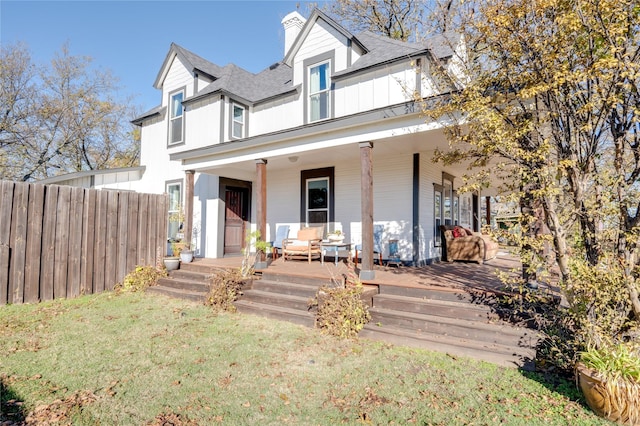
[419, 142]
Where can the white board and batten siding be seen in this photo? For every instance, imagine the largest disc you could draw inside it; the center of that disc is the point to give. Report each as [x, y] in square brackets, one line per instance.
[282, 113]
[321, 38]
[378, 88]
[177, 77]
[202, 123]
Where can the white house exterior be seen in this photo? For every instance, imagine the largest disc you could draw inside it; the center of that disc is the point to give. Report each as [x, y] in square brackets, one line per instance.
[330, 134]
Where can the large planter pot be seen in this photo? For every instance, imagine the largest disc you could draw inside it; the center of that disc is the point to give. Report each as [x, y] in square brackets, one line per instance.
[171, 263]
[614, 405]
[186, 256]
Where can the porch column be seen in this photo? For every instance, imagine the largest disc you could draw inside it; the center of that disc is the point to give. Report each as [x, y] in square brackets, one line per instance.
[487, 200]
[261, 201]
[366, 196]
[188, 205]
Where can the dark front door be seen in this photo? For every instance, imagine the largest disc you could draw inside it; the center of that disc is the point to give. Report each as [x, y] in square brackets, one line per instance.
[236, 214]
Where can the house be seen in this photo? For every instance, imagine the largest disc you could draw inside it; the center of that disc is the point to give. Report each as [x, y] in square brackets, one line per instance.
[331, 134]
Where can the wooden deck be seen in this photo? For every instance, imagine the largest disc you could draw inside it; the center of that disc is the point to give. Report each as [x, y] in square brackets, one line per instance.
[468, 276]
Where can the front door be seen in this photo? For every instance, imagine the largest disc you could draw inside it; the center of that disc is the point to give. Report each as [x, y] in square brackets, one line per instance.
[235, 218]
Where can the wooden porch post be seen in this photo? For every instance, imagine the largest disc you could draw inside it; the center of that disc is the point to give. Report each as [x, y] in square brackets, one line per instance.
[261, 201]
[366, 185]
[488, 202]
[188, 205]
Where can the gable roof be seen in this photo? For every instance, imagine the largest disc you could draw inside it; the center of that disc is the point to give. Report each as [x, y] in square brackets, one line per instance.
[194, 63]
[276, 80]
[315, 15]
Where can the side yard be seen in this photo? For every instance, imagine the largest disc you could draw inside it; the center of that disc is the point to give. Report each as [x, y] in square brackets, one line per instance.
[142, 359]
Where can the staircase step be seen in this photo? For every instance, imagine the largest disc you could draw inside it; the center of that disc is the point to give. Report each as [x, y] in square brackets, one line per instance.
[442, 308]
[508, 356]
[197, 296]
[460, 328]
[283, 287]
[296, 316]
[184, 284]
[278, 299]
[298, 279]
[440, 293]
[185, 274]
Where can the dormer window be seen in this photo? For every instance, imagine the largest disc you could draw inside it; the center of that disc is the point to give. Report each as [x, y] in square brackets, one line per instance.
[319, 91]
[176, 118]
[237, 122]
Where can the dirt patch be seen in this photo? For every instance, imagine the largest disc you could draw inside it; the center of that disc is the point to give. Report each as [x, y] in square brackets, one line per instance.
[172, 419]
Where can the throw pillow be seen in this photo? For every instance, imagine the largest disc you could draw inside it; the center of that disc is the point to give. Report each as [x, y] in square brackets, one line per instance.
[458, 232]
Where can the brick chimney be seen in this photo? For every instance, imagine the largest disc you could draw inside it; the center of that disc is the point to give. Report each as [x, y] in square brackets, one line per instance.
[292, 24]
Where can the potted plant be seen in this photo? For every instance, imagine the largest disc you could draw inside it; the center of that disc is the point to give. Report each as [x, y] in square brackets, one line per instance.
[253, 260]
[336, 236]
[610, 381]
[171, 263]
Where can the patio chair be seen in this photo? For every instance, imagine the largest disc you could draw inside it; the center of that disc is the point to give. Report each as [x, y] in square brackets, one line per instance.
[306, 243]
[377, 244]
[276, 245]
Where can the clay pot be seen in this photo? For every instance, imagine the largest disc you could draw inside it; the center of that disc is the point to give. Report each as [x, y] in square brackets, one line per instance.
[604, 403]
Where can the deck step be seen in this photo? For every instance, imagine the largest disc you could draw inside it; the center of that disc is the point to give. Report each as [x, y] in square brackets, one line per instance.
[292, 288]
[460, 328]
[282, 313]
[184, 284]
[315, 282]
[279, 299]
[443, 308]
[508, 356]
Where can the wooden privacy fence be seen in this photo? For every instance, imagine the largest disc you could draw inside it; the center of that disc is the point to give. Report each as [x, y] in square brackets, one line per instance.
[61, 241]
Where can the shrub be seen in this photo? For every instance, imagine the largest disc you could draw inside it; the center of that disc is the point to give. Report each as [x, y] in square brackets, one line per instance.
[225, 288]
[341, 311]
[140, 279]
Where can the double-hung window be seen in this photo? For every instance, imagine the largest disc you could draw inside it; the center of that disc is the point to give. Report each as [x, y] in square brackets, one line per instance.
[237, 123]
[319, 91]
[176, 118]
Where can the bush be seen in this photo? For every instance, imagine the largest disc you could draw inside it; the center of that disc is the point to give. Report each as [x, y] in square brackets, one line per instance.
[140, 279]
[225, 288]
[341, 311]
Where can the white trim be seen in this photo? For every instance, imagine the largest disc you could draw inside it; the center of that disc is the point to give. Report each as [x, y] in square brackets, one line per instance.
[326, 91]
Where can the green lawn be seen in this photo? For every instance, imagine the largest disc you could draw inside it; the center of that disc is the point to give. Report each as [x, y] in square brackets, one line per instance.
[138, 359]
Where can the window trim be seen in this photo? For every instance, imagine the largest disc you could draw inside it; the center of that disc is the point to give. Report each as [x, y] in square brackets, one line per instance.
[233, 120]
[326, 91]
[170, 119]
[308, 64]
[180, 184]
[328, 172]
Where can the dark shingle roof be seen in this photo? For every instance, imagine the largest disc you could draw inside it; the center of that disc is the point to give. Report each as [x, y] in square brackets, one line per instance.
[277, 79]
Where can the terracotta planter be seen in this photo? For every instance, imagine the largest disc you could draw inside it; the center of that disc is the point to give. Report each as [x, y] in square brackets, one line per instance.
[603, 403]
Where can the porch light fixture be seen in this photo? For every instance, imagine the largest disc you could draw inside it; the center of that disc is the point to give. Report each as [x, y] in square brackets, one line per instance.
[293, 158]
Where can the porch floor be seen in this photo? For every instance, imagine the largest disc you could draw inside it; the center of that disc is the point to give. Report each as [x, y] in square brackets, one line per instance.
[468, 276]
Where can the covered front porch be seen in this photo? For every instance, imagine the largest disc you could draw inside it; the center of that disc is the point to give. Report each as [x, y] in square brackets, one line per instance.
[454, 276]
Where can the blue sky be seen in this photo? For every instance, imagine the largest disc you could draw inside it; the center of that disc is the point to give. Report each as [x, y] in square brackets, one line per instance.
[132, 38]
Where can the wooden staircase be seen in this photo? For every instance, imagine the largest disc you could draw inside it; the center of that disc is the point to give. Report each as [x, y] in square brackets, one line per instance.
[454, 322]
[440, 319]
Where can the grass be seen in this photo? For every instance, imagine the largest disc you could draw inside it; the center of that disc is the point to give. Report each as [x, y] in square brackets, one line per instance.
[143, 359]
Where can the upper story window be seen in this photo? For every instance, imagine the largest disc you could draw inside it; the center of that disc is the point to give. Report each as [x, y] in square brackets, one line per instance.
[319, 91]
[176, 118]
[237, 122]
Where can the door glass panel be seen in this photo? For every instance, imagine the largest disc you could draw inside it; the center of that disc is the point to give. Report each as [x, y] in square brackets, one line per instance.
[318, 201]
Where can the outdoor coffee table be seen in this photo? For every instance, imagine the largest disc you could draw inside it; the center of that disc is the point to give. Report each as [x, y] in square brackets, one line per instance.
[334, 246]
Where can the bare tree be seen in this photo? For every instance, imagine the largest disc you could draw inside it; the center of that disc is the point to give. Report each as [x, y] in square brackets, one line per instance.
[61, 118]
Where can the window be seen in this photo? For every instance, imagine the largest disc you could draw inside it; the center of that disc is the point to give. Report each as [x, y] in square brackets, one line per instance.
[237, 122]
[437, 214]
[174, 189]
[319, 91]
[448, 201]
[318, 201]
[176, 118]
